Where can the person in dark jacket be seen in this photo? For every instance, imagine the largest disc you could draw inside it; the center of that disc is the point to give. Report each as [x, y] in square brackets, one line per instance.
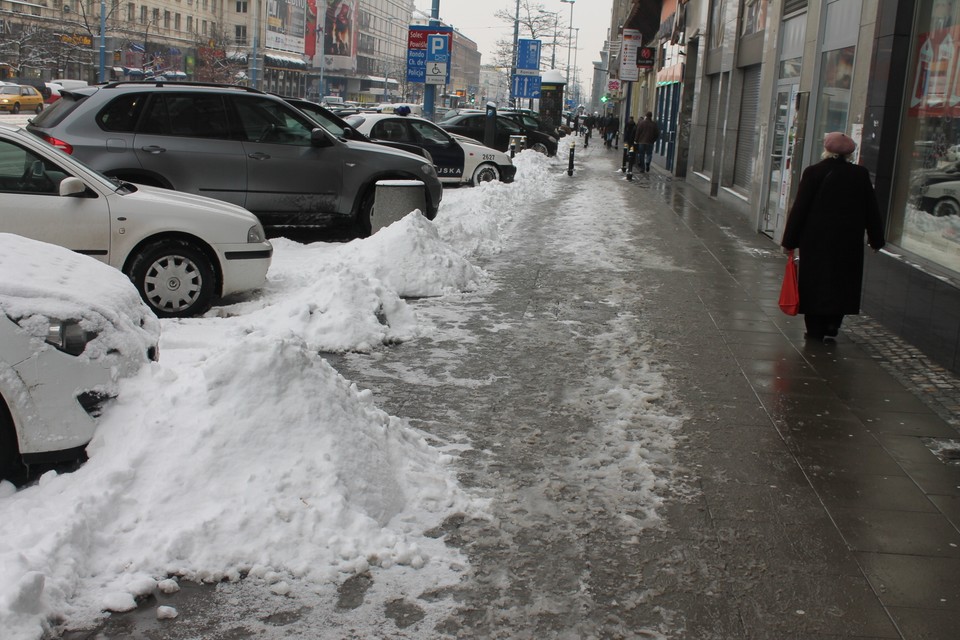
[647, 134]
[611, 126]
[629, 130]
[835, 204]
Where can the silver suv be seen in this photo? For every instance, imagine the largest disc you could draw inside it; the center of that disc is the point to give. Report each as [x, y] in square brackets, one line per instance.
[231, 143]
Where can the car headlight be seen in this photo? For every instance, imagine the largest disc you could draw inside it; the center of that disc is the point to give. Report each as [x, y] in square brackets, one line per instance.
[428, 169]
[255, 233]
[68, 336]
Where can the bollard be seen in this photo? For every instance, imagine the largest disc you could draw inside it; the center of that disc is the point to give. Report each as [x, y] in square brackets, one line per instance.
[623, 162]
[573, 146]
[631, 158]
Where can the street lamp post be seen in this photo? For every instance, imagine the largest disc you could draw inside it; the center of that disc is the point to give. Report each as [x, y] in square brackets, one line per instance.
[553, 48]
[569, 38]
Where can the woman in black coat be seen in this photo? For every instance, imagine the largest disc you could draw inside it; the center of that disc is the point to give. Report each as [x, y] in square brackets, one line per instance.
[835, 204]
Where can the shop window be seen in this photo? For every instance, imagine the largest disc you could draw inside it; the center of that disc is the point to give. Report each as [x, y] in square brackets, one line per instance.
[836, 78]
[925, 207]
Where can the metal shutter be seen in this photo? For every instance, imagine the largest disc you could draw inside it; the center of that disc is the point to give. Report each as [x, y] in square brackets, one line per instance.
[747, 136]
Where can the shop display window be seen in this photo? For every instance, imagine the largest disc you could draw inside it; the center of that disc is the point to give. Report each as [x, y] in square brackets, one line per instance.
[925, 208]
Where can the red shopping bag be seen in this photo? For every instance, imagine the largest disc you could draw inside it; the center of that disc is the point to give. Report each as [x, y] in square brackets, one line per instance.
[789, 290]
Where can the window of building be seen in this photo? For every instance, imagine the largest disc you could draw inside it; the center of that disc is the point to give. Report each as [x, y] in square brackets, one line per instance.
[716, 24]
[203, 28]
[241, 6]
[143, 14]
[754, 16]
[156, 16]
[166, 20]
[131, 12]
[189, 24]
[176, 22]
[925, 208]
[240, 34]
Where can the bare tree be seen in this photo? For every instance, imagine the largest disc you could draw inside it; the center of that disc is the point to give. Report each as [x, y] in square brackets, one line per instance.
[27, 46]
[533, 22]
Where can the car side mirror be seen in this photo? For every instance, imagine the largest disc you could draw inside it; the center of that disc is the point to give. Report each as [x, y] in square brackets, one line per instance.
[349, 133]
[318, 138]
[71, 186]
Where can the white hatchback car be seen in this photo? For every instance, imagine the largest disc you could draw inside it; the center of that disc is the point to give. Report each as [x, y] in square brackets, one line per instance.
[458, 160]
[182, 251]
[70, 328]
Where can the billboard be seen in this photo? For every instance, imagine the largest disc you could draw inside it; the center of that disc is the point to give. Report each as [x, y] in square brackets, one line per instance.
[286, 25]
[340, 35]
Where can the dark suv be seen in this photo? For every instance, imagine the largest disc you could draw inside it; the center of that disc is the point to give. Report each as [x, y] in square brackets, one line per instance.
[231, 143]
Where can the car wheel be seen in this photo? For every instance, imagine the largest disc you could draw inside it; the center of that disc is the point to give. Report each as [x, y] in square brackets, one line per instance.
[364, 221]
[11, 466]
[39, 108]
[174, 277]
[16, 108]
[539, 147]
[485, 173]
[946, 207]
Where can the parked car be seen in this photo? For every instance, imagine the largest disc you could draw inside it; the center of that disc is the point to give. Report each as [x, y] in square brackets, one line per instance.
[456, 160]
[340, 128]
[531, 120]
[70, 329]
[54, 90]
[233, 143]
[17, 97]
[472, 125]
[182, 251]
[941, 198]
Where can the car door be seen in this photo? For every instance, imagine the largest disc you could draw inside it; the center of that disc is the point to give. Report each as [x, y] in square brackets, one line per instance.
[186, 138]
[33, 207]
[290, 180]
[506, 128]
[448, 156]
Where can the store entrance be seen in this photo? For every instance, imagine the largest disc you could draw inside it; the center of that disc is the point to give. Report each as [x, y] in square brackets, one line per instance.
[781, 157]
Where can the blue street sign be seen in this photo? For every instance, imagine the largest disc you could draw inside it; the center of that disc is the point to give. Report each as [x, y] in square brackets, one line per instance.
[417, 48]
[528, 57]
[526, 86]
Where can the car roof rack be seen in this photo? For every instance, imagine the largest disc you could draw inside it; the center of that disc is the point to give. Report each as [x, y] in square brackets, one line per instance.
[162, 83]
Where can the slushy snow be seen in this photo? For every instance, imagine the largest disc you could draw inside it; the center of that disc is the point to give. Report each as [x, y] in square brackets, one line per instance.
[243, 452]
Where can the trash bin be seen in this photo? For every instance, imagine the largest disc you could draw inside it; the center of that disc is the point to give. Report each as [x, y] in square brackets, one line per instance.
[394, 199]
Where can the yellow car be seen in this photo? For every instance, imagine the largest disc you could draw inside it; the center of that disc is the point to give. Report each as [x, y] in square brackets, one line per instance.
[14, 97]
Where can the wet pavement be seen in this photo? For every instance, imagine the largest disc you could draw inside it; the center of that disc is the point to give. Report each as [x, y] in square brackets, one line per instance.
[664, 455]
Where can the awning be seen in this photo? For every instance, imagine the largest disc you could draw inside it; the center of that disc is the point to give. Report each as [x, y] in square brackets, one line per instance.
[380, 80]
[119, 70]
[134, 72]
[284, 62]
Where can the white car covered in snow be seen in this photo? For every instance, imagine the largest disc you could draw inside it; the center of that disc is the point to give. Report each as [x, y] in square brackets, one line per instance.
[70, 328]
[458, 160]
[182, 251]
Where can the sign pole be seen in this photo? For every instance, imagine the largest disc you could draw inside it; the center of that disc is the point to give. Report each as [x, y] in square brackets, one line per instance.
[429, 90]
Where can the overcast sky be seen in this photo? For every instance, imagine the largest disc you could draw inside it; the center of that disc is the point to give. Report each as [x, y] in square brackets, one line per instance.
[476, 20]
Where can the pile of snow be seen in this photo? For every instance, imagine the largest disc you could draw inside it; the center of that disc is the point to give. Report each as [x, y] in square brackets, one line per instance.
[242, 452]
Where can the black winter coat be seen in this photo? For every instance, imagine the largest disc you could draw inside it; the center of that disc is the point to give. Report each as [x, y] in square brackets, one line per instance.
[835, 204]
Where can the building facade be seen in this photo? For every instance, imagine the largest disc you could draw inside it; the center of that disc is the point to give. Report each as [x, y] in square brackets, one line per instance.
[745, 90]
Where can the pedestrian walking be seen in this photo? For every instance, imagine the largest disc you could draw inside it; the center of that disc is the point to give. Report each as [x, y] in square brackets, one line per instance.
[648, 132]
[588, 124]
[835, 204]
[611, 126]
[629, 131]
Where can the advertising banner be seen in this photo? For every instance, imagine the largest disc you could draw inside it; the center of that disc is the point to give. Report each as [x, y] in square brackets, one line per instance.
[286, 25]
[340, 35]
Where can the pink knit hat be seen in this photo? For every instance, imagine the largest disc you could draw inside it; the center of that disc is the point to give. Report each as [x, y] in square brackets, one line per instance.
[836, 142]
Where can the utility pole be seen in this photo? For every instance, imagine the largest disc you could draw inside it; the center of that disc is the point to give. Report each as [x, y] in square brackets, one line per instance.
[516, 44]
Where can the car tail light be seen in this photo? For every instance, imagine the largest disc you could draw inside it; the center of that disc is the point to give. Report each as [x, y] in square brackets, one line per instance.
[58, 143]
